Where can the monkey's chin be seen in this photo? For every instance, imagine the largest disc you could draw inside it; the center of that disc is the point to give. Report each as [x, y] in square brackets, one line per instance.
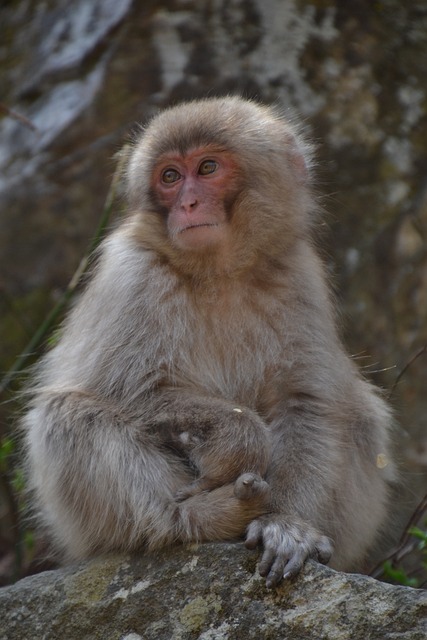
[199, 237]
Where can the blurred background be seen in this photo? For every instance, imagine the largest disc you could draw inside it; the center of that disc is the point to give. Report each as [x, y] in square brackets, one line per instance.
[76, 76]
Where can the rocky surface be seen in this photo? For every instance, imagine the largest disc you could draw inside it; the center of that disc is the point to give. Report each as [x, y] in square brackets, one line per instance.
[208, 592]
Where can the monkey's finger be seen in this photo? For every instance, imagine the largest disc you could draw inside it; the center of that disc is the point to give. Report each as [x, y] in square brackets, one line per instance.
[274, 576]
[295, 563]
[268, 561]
[324, 550]
[284, 566]
[253, 535]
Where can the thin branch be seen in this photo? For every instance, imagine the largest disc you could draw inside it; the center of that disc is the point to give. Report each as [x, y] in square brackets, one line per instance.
[406, 367]
[17, 116]
[405, 545]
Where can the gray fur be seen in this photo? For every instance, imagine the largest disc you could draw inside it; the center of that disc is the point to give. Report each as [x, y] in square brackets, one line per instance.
[176, 374]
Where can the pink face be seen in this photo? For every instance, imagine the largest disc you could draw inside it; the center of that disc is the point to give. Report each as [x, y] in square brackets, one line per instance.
[194, 189]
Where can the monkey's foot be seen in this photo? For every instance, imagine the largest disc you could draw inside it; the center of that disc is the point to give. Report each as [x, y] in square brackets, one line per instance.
[248, 486]
[251, 485]
[287, 545]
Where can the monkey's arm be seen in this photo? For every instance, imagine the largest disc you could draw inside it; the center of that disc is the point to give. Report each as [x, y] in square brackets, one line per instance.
[301, 474]
[326, 486]
[220, 438]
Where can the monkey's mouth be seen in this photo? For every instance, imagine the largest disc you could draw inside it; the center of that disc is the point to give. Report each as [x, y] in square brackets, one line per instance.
[198, 226]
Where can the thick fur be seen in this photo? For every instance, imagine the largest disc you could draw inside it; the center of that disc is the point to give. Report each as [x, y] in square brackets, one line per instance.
[179, 371]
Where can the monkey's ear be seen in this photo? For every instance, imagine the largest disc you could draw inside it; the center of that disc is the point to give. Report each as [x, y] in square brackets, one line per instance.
[299, 165]
[299, 154]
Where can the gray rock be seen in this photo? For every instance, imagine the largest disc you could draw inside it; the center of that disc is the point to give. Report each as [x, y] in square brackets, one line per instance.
[210, 592]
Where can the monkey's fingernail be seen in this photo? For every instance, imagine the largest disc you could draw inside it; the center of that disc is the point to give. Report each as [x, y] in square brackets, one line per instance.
[237, 410]
[382, 461]
[286, 575]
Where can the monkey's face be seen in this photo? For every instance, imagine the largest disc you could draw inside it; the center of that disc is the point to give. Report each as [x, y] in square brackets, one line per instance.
[219, 186]
[196, 191]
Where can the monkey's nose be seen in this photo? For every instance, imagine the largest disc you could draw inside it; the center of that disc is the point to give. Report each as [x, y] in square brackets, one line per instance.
[189, 205]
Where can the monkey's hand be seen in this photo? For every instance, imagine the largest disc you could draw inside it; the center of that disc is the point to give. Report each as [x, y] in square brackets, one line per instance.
[287, 545]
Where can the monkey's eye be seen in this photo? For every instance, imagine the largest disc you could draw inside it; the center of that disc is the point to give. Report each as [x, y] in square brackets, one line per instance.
[208, 166]
[170, 175]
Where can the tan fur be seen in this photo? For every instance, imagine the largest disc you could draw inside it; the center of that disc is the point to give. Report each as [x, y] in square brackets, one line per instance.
[134, 411]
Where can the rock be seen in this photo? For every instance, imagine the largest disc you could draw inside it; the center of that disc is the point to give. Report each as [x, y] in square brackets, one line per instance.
[210, 592]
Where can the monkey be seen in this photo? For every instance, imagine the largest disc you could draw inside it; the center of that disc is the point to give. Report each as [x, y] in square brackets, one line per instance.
[200, 390]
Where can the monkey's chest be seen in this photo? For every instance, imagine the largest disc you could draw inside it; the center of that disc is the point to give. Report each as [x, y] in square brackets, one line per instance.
[229, 356]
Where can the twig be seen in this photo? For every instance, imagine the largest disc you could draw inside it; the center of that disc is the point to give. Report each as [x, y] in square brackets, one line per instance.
[406, 367]
[404, 546]
[18, 116]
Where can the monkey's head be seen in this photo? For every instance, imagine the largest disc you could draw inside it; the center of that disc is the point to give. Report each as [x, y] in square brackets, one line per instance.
[221, 183]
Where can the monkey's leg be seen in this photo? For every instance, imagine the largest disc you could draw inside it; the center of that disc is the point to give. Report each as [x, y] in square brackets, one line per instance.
[102, 483]
[222, 514]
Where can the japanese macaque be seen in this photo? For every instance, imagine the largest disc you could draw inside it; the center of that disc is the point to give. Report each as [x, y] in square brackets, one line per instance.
[199, 390]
